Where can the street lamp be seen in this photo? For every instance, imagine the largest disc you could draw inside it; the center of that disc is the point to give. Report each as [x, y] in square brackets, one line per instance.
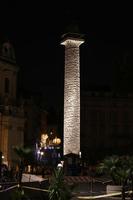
[80, 154]
[60, 166]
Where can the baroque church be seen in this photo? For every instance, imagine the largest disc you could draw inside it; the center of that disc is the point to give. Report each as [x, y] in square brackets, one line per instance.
[11, 111]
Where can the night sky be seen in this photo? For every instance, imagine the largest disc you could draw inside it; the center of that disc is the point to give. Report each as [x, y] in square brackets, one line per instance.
[35, 29]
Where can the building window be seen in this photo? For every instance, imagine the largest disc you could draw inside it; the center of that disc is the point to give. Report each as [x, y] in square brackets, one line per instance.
[7, 85]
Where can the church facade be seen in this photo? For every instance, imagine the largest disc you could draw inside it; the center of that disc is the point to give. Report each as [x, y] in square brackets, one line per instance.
[11, 111]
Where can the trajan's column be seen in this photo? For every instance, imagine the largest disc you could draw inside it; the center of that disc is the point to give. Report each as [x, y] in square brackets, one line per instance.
[71, 141]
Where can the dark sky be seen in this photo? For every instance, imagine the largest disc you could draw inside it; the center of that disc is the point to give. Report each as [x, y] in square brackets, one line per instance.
[35, 29]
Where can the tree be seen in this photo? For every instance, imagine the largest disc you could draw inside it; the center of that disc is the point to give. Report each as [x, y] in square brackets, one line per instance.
[58, 189]
[23, 153]
[119, 168]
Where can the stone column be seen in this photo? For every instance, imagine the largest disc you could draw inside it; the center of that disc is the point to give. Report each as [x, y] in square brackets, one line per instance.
[71, 143]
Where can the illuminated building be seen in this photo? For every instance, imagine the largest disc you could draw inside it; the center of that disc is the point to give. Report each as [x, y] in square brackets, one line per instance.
[48, 150]
[71, 133]
[11, 114]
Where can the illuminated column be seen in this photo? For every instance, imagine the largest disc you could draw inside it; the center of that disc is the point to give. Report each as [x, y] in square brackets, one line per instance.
[71, 143]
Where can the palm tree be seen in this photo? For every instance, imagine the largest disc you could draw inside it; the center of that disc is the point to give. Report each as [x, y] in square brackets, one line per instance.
[58, 189]
[119, 168]
[23, 153]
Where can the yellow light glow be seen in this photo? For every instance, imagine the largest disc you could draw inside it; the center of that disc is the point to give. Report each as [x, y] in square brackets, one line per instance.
[56, 141]
[44, 138]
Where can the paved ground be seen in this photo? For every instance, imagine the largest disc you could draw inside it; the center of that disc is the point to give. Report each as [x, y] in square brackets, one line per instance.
[91, 188]
[81, 189]
[94, 190]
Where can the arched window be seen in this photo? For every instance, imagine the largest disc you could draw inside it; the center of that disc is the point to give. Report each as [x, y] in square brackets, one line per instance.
[7, 85]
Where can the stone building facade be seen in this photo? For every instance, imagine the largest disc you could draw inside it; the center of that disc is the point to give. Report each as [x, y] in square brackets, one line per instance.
[11, 110]
[106, 124]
